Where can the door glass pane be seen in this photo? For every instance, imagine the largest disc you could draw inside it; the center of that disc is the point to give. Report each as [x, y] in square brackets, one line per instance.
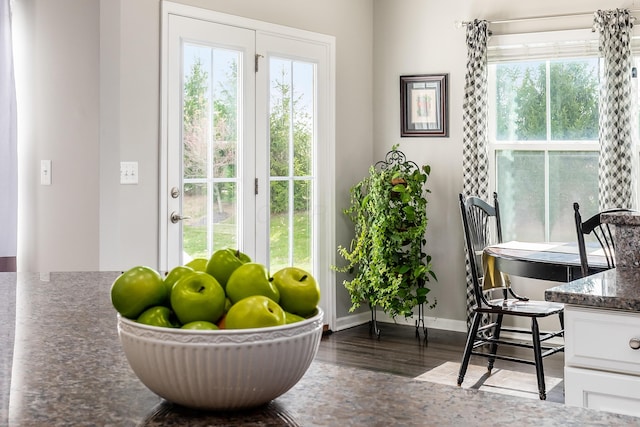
[303, 117]
[210, 149]
[302, 224]
[291, 229]
[280, 226]
[194, 237]
[521, 190]
[196, 230]
[292, 125]
[280, 115]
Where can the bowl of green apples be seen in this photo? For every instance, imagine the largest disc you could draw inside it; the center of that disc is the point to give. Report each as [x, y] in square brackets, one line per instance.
[214, 338]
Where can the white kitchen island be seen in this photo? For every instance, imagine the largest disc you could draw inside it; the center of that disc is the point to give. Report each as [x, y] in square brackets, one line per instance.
[602, 340]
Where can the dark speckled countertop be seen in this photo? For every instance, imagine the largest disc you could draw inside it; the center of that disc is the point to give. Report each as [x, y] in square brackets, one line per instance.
[617, 289]
[61, 364]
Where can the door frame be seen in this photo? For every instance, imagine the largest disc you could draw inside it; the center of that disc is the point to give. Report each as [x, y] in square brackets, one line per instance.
[326, 149]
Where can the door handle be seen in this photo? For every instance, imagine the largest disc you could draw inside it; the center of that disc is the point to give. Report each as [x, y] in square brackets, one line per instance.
[634, 343]
[175, 217]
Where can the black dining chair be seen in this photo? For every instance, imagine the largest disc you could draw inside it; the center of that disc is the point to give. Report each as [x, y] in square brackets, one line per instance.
[480, 221]
[603, 234]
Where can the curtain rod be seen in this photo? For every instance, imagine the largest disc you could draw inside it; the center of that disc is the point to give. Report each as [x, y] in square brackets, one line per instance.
[461, 24]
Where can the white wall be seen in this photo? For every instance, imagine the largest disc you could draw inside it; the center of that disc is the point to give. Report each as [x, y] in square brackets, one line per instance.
[88, 75]
[129, 122]
[57, 78]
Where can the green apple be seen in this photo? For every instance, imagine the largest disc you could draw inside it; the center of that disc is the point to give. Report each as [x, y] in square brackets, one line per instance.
[198, 264]
[197, 296]
[292, 318]
[200, 325]
[158, 315]
[299, 291]
[256, 311]
[137, 289]
[174, 275]
[223, 262]
[249, 279]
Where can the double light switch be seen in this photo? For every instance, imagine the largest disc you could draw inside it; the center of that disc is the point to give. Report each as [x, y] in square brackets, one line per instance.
[128, 172]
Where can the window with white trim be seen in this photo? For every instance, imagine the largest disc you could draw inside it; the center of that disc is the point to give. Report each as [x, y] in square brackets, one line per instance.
[543, 131]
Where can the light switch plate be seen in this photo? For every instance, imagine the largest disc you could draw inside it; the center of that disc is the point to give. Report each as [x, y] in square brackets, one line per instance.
[128, 173]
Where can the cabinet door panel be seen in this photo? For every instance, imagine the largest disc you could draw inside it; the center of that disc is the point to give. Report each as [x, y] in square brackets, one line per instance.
[600, 340]
[604, 391]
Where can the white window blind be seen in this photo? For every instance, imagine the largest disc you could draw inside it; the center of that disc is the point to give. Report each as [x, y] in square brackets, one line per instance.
[550, 44]
[545, 45]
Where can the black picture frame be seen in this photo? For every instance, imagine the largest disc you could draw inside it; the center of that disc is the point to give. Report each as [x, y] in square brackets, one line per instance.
[424, 105]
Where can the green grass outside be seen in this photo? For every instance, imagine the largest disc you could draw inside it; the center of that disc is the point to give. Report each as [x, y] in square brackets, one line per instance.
[195, 240]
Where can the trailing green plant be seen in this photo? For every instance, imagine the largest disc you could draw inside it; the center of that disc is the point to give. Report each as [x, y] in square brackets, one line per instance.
[388, 210]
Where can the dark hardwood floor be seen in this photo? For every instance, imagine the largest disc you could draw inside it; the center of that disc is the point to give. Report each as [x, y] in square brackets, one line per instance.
[400, 352]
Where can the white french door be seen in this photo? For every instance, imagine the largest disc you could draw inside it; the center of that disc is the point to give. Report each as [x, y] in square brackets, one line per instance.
[211, 139]
[247, 143]
[287, 93]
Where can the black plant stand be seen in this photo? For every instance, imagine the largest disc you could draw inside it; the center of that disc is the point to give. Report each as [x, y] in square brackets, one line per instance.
[420, 321]
[373, 324]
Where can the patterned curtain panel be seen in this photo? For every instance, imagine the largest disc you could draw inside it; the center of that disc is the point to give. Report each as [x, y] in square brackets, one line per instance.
[475, 157]
[616, 164]
[8, 146]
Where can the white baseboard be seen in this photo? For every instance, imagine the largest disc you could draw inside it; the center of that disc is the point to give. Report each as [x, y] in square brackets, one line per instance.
[430, 322]
[352, 320]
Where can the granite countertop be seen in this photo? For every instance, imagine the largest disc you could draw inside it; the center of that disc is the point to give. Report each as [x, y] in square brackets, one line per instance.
[61, 364]
[617, 289]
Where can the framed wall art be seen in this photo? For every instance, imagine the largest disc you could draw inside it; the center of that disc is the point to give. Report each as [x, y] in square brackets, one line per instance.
[424, 106]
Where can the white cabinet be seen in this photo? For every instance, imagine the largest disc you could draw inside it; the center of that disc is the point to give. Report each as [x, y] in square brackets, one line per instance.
[602, 369]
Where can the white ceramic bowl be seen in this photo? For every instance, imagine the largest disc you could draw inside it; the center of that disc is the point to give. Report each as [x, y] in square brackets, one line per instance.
[224, 369]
